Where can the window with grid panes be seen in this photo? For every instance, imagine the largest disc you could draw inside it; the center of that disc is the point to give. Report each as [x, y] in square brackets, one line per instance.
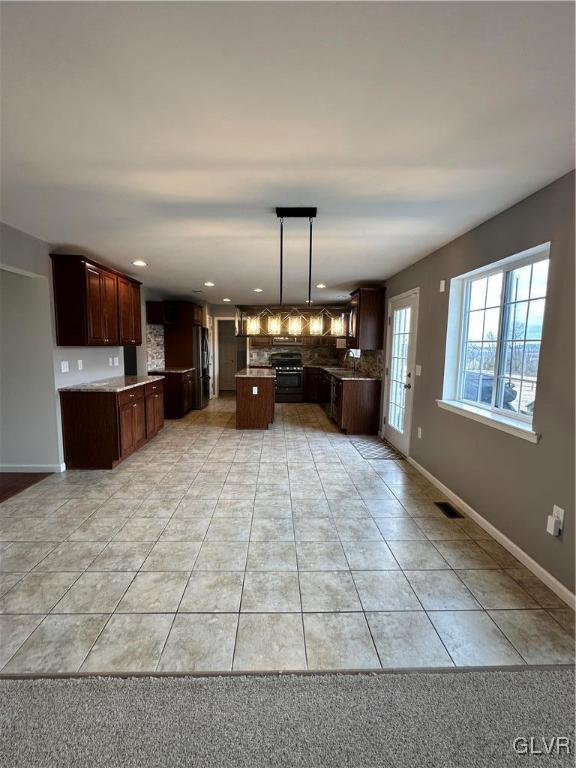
[502, 316]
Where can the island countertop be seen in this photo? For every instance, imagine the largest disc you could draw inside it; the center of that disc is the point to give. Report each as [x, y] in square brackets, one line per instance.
[116, 384]
[256, 373]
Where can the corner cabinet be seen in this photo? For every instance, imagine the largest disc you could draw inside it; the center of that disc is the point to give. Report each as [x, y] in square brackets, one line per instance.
[94, 305]
[366, 329]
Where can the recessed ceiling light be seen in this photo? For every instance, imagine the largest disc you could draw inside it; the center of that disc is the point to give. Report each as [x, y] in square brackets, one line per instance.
[226, 299]
[320, 285]
[139, 263]
[257, 290]
[208, 284]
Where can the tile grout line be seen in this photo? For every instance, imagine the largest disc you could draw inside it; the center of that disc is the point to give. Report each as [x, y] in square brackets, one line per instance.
[187, 581]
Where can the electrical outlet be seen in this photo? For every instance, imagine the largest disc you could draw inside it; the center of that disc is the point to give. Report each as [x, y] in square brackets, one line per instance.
[115, 361]
[420, 432]
[80, 365]
[254, 390]
[418, 370]
[110, 362]
[64, 367]
[442, 286]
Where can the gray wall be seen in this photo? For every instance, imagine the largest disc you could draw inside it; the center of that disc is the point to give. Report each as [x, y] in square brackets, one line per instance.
[221, 310]
[22, 253]
[509, 481]
[28, 421]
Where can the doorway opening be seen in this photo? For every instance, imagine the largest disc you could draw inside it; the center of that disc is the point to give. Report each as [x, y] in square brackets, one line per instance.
[399, 372]
[30, 440]
[230, 355]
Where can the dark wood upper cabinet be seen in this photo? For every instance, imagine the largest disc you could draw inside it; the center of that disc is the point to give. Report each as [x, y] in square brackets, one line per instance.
[94, 305]
[109, 283]
[160, 312]
[129, 312]
[182, 339]
[96, 333]
[366, 330]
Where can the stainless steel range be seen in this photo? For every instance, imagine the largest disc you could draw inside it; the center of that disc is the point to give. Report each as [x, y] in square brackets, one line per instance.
[289, 376]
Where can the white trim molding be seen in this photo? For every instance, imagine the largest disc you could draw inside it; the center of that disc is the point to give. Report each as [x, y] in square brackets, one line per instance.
[32, 467]
[490, 419]
[550, 581]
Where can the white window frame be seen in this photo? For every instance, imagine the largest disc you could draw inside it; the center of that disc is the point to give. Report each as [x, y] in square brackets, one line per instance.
[458, 317]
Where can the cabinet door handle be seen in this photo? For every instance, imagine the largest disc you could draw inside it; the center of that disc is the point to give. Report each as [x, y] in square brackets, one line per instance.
[135, 405]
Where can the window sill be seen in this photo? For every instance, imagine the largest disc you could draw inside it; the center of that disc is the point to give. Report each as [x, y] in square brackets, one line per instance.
[510, 426]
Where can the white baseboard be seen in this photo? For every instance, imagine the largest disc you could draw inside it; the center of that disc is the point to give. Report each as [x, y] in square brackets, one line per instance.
[32, 467]
[552, 582]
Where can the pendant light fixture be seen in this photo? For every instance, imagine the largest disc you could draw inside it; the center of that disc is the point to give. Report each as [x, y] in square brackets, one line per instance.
[296, 320]
[274, 324]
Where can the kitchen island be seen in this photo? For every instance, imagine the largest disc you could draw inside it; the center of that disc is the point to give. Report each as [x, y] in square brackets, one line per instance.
[255, 398]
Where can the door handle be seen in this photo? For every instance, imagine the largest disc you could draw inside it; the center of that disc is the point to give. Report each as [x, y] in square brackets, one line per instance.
[407, 386]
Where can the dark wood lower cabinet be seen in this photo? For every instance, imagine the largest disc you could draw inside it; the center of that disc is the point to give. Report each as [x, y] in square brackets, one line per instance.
[312, 384]
[154, 413]
[100, 429]
[179, 391]
[353, 404]
[133, 430]
[356, 405]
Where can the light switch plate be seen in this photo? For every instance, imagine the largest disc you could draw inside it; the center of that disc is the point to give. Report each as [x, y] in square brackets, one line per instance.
[558, 513]
[553, 526]
[418, 370]
[80, 365]
[110, 362]
[64, 367]
[254, 390]
[442, 286]
[115, 361]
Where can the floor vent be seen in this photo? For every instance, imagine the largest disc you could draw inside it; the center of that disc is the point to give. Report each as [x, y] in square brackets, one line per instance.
[448, 509]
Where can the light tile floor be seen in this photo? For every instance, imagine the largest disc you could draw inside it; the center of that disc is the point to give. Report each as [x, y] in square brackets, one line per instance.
[216, 550]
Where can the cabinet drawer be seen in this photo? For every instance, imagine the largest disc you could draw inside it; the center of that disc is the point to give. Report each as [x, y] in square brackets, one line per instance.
[154, 388]
[130, 395]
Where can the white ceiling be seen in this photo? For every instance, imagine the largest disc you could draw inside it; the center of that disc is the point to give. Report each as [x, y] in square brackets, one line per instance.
[169, 131]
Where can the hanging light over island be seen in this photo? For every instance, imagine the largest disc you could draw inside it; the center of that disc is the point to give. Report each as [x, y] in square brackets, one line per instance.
[306, 320]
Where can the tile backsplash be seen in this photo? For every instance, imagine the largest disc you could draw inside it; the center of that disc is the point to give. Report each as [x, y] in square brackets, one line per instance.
[310, 355]
[154, 347]
[370, 362]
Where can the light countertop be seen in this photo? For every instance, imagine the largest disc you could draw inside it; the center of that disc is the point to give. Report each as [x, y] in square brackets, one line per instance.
[171, 370]
[256, 373]
[346, 374]
[116, 384]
